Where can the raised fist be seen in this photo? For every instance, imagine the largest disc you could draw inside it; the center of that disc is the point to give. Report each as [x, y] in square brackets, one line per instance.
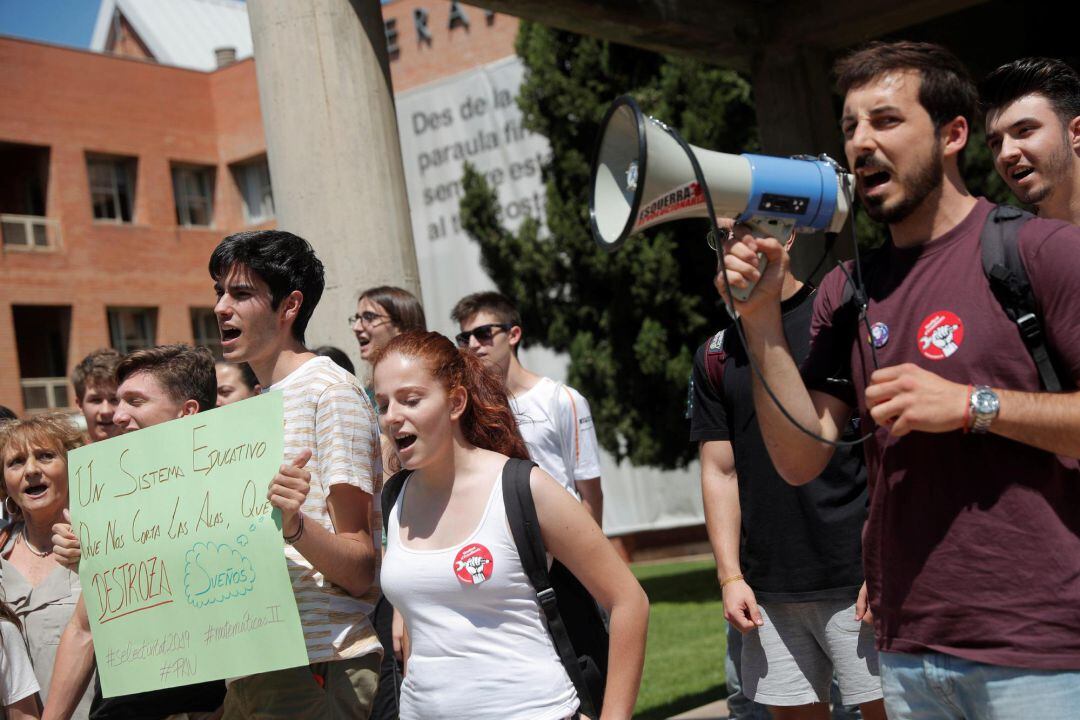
[942, 338]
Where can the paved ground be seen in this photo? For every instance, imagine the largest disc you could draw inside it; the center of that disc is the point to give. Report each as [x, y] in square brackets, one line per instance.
[713, 711]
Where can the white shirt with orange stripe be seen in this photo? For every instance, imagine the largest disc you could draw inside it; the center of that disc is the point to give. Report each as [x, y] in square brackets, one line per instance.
[557, 425]
[327, 412]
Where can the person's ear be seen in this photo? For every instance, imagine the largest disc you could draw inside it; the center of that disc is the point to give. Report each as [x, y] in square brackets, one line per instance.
[459, 400]
[514, 335]
[190, 407]
[790, 241]
[1073, 134]
[954, 136]
[290, 306]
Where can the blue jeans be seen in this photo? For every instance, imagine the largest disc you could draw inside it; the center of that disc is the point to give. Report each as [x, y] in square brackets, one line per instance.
[741, 707]
[933, 686]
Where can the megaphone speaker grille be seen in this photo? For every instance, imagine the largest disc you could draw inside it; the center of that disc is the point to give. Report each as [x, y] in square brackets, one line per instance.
[619, 170]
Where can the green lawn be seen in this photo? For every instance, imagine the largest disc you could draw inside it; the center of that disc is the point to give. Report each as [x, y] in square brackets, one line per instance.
[684, 659]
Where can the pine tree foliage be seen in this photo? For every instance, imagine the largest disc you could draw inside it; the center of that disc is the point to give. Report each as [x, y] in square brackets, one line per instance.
[630, 320]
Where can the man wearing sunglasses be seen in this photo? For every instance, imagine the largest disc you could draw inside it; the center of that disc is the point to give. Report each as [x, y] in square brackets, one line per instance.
[553, 418]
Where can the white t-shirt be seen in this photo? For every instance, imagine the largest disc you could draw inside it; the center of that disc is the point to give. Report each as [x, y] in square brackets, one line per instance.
[557, 425]
[17, 679]
[328, 412]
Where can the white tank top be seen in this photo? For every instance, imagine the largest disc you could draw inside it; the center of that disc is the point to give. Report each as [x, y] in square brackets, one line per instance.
[480, 648]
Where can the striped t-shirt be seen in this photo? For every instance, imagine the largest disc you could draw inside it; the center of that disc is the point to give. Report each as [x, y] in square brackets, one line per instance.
[328, 412]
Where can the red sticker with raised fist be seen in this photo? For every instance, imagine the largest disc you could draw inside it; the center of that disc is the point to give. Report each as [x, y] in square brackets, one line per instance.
[474, 564]
[940, 335]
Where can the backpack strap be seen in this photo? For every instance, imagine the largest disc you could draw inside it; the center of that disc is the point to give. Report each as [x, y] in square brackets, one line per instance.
[525, 527]
[390, 492]
[1000, 241]
[715, 355]
[568, 448]
[852, 295]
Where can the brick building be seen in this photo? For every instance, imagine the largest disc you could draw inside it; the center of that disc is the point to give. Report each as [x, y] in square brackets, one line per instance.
[120, 173]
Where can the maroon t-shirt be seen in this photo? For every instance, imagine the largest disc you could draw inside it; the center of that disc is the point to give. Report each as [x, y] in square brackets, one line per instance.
[972, 544]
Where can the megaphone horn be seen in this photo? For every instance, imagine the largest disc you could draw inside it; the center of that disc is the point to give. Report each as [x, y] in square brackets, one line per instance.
[642, 177]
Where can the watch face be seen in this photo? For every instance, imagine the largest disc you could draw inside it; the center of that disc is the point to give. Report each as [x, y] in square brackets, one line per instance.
[985, 401]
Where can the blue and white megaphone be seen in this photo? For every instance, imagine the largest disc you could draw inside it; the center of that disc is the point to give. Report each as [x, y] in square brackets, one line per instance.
[642, 177]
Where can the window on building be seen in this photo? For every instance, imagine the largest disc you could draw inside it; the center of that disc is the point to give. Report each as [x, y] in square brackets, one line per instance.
[24, 224]
[41, 339]
[132, 328]
[112, 187]
[204, 330]
[253, 181]
[193, 187]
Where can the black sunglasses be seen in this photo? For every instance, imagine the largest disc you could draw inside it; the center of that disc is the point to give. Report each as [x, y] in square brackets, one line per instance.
[483, 333]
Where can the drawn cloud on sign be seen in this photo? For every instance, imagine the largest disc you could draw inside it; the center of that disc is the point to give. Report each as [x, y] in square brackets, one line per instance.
[215, 573]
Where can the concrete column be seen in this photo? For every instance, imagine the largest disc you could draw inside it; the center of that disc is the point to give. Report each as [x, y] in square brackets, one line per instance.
[332, 141]
[794, 102]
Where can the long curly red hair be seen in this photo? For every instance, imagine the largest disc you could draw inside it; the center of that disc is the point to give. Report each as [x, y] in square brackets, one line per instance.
[487, 422]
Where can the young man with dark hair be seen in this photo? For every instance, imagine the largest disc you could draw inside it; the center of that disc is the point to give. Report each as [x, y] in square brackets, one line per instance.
[1033, 129]
[155, 385]
[553, 418]
[268, 283]
[971, 548]
[94, 380]
[788, 559]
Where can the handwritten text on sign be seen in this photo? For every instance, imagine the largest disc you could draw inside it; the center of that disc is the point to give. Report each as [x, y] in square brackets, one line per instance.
[183, 568]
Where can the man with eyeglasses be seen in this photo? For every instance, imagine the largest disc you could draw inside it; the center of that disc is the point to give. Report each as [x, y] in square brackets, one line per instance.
[553, 418]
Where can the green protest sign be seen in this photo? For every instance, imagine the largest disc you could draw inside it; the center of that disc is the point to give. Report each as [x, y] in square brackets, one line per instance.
[183, 565]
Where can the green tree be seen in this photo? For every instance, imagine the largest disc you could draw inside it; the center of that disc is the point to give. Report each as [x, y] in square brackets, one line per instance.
[630, 321]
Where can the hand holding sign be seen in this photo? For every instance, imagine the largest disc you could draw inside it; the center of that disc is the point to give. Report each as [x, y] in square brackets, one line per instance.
[288, 490]
[66, 546]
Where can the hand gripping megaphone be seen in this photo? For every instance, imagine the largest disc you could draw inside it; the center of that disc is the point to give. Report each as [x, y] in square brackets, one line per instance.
[644, 174]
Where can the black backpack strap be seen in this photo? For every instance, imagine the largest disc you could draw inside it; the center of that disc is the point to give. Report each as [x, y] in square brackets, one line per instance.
[525, 527]
[390, 492]
[1009, 282]
[855, 296]
[715, 357]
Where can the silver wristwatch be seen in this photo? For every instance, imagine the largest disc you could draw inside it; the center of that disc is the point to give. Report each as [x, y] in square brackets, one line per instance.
[984, 408]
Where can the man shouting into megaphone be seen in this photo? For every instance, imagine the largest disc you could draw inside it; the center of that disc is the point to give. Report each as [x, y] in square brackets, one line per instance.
[971, 547]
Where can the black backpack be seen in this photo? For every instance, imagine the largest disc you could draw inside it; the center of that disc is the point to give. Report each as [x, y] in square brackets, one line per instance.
[574, 622]
[1000, 241]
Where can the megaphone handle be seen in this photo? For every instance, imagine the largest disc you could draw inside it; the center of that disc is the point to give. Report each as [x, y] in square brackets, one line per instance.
[764, 228]
[741, 294]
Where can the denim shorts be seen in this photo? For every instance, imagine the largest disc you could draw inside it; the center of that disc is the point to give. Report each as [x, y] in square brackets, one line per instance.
[933, 686]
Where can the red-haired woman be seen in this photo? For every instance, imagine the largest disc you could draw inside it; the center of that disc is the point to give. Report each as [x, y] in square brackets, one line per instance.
[382, 313]
[480, 649]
